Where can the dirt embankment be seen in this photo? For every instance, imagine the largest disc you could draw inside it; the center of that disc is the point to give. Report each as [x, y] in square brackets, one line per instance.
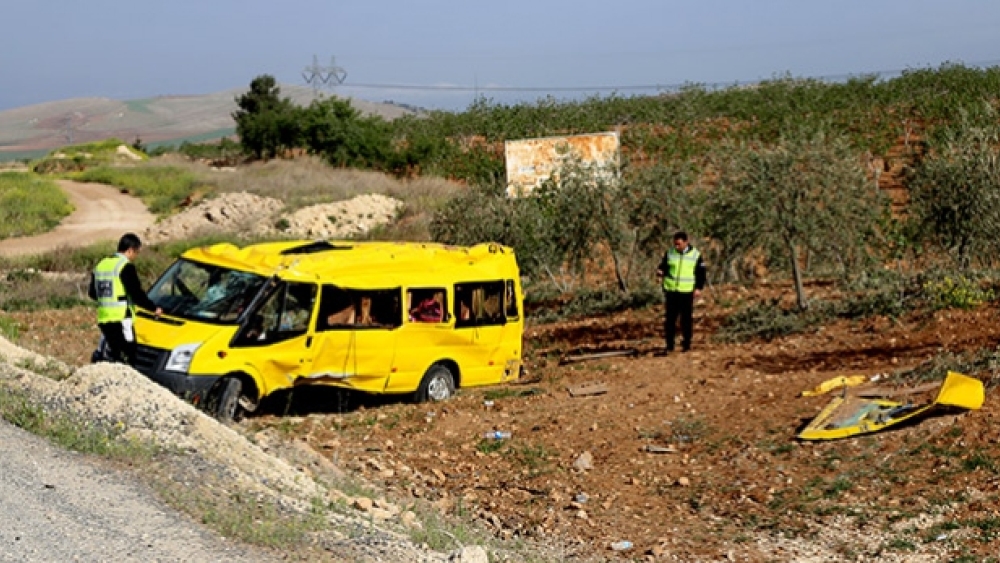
[216, 460]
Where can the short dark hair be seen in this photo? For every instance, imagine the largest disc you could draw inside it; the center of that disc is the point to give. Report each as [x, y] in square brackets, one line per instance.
[681, 235]
[128, 242]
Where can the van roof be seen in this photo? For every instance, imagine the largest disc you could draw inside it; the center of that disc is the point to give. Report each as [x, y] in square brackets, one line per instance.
[364, 264]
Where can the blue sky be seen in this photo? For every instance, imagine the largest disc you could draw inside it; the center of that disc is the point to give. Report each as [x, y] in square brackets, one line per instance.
[453, 49]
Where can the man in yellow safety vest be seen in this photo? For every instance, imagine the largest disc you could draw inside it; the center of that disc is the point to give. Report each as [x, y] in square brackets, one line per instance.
[682, 274]
[115, 285]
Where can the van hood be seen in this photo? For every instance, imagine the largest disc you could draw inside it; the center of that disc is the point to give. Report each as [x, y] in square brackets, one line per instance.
[167, 333]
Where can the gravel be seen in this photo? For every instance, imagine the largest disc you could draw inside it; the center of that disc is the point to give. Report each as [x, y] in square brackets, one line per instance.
[256, 215]
[116, 396]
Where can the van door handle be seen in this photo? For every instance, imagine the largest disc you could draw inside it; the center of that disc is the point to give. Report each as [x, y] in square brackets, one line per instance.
[309, 341]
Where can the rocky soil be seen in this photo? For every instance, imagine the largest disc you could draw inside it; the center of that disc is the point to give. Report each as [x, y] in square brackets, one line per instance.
[690, 457]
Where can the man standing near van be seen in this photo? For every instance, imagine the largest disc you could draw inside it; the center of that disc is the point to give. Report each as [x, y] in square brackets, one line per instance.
[114, 284]
[682, 274]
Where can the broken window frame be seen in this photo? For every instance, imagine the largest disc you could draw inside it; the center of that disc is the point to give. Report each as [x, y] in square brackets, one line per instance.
[383, 310]
[465, 296]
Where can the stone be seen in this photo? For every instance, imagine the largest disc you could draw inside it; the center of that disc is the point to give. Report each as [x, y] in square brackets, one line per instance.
[409, 519]
[584, 462]
[364, 504]
[470, 554]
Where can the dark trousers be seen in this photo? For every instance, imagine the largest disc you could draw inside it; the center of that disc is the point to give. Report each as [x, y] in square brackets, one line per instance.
[678, 305]
[119, 348]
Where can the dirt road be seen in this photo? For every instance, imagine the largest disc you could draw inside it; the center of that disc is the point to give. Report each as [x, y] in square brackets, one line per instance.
[57, 506]
[102, 213]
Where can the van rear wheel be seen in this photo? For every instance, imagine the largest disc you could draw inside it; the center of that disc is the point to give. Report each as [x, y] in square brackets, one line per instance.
[228, 406]
[438, 384]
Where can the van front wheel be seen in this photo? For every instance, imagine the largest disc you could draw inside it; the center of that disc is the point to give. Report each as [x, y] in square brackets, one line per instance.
[438, 384]
[228, 405]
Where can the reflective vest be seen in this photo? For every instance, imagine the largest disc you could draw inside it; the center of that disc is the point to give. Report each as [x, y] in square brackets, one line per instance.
[112, 302]
[679, 276]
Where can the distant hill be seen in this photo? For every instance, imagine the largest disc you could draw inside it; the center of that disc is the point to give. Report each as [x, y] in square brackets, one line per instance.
[32, 131]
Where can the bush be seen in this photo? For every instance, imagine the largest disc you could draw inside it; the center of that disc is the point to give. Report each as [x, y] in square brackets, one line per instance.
[161, 188]
[544, 307]
[30, 204]
[955, 292]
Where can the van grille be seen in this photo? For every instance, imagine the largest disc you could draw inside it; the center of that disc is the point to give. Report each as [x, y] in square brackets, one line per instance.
[148, 359]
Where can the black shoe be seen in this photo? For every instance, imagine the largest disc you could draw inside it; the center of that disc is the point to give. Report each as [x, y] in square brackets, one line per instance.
[685, 349]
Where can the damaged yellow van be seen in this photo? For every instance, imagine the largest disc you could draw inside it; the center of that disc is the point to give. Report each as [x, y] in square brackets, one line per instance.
[381, 317]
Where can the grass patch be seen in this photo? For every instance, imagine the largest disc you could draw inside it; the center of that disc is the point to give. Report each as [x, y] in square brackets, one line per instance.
[686, 430]
[20, 410]
[9, 328]
[244, 516]
[30, 204]
[489, 445]
[50, 368]
[161, 188]
[534, 458]
[440, 533]
[80, 157]
[29, 290]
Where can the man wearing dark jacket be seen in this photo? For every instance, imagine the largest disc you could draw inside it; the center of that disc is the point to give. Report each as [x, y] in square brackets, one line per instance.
[682, 274]
[114, 284]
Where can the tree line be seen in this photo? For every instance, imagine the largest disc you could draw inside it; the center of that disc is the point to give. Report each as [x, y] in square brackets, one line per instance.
[789, 186]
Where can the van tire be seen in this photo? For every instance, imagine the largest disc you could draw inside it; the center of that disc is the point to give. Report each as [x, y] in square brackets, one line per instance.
[438, 384]
[227, 408]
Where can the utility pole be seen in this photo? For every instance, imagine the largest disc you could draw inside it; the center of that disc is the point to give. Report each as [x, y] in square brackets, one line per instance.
[318, 76]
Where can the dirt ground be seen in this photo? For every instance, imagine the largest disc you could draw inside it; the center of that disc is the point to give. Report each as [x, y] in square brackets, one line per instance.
[726, 478]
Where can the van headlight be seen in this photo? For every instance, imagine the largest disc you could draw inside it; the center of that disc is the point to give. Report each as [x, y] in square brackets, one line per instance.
[180, 357]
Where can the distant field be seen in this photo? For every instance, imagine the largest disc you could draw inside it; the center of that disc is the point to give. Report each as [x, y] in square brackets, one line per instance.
[32, 131]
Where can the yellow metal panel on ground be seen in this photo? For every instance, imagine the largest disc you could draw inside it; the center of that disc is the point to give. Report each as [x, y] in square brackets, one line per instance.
[849, 415]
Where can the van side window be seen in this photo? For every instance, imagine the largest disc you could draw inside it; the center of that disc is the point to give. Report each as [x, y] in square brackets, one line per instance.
[284, 314]
[350, 309]
[426, 305]
[479, 304]
[510, 301]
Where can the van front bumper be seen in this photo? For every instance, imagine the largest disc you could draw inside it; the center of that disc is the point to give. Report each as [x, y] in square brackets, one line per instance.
[150, 361]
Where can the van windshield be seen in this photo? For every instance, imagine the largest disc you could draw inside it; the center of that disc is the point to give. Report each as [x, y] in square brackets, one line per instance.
[204, 292]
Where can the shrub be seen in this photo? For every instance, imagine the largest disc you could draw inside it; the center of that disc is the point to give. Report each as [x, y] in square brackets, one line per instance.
[161, 188]
[955, 292]
[30, 204]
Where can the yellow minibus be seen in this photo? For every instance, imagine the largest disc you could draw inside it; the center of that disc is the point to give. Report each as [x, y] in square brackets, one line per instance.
[422, 319]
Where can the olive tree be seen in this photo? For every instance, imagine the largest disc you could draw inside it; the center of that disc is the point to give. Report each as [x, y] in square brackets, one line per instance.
[805, 195]
[955, 193]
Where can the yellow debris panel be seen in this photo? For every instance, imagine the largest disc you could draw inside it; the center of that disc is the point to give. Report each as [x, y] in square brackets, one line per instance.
[835, 383]
[849, 415]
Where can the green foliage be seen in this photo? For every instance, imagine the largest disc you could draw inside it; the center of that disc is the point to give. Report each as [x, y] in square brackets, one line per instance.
[955, 192]
[30, 204]
[266, 123]
[80, 157]
[161, 188]
[955, 292]
[9, 328]
[807, 195]
[543, 307]
[768, 319]
[580, 213]
[681, 127]
[337, 131]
